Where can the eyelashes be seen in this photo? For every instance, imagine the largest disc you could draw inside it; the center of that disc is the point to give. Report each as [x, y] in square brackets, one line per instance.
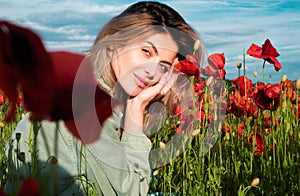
[165, 68]
[149, 53]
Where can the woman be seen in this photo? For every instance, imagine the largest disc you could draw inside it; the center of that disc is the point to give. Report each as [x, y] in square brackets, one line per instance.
[133, 55]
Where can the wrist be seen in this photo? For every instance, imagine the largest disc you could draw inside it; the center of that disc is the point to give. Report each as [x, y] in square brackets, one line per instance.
[134, 117]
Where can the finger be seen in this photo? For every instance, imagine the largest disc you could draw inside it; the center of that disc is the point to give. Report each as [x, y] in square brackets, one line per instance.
[172, 79]
[151, 92]
[172, 67]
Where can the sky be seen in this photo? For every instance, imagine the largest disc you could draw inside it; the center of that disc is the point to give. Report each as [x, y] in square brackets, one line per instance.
[228, 27]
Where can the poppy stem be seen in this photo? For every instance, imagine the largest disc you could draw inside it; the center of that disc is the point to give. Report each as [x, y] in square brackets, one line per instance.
[263, 71]
[244, 62]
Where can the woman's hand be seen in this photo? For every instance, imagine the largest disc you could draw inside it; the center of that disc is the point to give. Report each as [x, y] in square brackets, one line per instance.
[134, 115]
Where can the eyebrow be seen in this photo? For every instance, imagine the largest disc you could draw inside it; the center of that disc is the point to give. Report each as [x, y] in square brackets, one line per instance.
[156, 52]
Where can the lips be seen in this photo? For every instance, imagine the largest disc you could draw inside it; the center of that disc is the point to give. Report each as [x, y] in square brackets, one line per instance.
[140, 81]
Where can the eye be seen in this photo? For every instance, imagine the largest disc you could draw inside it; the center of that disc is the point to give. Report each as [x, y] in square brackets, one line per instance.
[146, 52]
[164, 68]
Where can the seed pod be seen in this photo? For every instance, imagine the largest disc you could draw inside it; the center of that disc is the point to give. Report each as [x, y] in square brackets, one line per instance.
[255, 74]
[284, 78]
[298, 84]
[162, 145]
[255, 182]
[239, 65]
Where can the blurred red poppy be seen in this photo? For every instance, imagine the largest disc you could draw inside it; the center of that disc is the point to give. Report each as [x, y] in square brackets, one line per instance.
[30, 186]
[52, 84]
[2, 98]
[266, 52]
[24, 60]
[2, 193]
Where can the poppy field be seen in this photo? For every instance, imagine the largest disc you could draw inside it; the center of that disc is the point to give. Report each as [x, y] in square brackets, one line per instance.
[233, 137]
[257, 129]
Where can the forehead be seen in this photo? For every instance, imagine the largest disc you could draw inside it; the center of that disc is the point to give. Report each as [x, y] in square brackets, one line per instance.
[163, 42]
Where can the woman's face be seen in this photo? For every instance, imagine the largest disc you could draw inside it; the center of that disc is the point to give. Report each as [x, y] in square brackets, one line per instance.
[141, 65]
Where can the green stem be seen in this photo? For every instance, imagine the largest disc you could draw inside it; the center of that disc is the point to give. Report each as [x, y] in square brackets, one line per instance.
[263, 71]
[54, 171]
[244, 62]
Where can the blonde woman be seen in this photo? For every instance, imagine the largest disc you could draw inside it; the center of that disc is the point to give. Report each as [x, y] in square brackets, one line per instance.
[133, 57]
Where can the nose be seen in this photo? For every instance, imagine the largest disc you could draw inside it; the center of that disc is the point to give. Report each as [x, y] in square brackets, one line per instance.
[152, 70]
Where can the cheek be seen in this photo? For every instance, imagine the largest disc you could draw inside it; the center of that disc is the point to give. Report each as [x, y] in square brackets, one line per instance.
[124, 64]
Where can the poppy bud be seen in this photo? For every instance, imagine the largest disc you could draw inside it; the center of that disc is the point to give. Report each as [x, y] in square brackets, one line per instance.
[197, 45]
[298, 84]
[195, 132]
[284, 78]
[18, 136]
[255, 182]
[53, 160]
[2, 124]
[255, 74]
[239, 65]
[284, 105]
[162, 145]
[155, 172]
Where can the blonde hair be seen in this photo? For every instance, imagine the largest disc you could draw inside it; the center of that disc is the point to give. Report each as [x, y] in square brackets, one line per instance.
[137, 23]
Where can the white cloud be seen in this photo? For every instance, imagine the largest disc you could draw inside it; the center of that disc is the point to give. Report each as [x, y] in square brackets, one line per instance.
[70, 29]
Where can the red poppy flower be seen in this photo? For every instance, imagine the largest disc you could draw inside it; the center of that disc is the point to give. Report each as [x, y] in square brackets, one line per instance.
[209, 70]
[185, 119]
[217, 60]
[222, 74]
[241, 129]
[266, 52]
[267, 123]
[218, 74]
[297, 109]
[226, 129]
[55, 85]
[215, 66]
[236, 104]
[243, 83]
[267, 97]
[189, 66]
[30, 186]
[199, 88]
[259, 142]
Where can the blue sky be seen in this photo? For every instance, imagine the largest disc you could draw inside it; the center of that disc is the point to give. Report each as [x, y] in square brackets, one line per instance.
[228, 27]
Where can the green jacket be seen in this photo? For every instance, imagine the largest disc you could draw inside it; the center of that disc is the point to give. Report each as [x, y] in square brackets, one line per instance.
[110, 166]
